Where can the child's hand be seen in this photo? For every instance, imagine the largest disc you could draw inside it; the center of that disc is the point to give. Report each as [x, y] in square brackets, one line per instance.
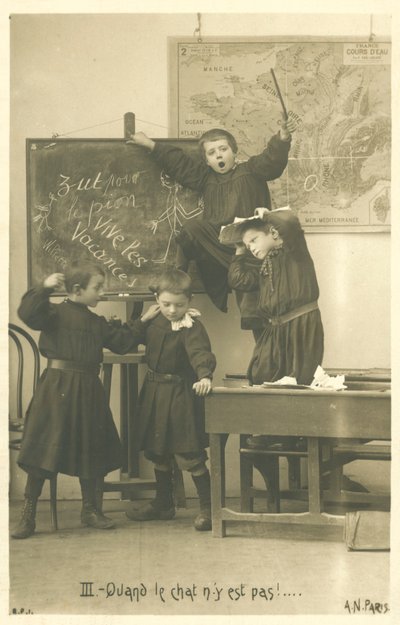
[152, 312]
[240, 248]
[54, 281]
[139, 138]
[202, 387]
[287, 127]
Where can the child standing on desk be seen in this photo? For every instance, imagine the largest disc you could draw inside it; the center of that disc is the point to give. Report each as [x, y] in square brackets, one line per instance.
[229, 189]
[69, 427]
[171, 403]
[292, 342]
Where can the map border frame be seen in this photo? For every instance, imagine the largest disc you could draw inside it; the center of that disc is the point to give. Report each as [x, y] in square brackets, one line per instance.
[174, 102]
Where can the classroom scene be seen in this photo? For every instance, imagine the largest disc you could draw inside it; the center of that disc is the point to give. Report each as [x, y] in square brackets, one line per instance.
[203, 201]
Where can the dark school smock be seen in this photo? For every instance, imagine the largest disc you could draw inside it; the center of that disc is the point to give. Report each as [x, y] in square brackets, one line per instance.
[171, 415]
[69, 426]
[225, 196]
[293, 348]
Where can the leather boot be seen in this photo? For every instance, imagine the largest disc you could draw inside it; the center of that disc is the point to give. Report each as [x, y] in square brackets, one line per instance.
[162, 507]
[202, 522]
[26, 525]
[33, 489]
[90, 516]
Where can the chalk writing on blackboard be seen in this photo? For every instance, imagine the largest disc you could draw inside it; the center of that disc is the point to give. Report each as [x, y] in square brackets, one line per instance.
[175, 212]
[106, 201]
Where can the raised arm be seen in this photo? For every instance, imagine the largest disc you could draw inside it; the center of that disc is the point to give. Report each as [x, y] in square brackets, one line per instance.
[189, 172]
[271, 163]
[122, 338]
[35, 309]
[177, 164]
[242, 274]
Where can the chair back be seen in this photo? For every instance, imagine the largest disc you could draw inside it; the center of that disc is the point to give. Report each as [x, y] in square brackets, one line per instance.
[24, 377]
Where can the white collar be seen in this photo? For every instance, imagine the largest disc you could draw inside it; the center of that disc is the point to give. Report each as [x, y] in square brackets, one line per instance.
[187, 320]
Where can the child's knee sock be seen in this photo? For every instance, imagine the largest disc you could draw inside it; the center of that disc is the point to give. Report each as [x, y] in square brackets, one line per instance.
[164, 489]
[34, 486]
[88, 490]
[181, 260]
[99, 490]
[202, 482]
[162, 507]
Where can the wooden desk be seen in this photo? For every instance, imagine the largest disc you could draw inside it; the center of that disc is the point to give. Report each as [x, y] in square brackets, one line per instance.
[316, 415]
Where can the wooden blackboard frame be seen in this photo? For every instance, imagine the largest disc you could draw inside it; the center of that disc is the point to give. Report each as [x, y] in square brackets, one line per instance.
[37, 147]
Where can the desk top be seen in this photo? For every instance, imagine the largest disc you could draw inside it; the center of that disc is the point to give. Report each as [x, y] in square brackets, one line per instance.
[370, 375]
[288, 412]
[354, 389]
[109, 358]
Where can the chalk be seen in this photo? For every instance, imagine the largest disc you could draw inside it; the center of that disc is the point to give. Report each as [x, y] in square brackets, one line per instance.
[123, 294]
[279, 94]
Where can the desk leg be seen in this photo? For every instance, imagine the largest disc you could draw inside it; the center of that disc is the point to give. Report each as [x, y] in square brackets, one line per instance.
[132, 393]
[332, 484]
[294, 473]
[106, 379]
[314, 485]
[124, 416]
[246, 478]
[217, 466]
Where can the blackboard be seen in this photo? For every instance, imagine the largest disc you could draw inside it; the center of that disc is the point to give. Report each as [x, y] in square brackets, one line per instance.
[107, 201]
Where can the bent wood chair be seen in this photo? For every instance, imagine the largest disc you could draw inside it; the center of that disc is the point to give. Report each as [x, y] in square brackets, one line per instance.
[25, 377]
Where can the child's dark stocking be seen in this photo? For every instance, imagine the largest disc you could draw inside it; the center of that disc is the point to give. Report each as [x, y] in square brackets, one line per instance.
[186, 250]
[181, 260]
[203, 520]
[90, 515]
[26, 525]
[99, 498]
[162, 507]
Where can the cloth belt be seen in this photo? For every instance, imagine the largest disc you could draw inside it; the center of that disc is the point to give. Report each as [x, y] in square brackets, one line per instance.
[297, 312]
[73, 365]
[163, 377]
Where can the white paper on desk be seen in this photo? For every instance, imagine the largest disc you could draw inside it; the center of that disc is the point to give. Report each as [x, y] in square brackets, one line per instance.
[323, 381]
[285, 382]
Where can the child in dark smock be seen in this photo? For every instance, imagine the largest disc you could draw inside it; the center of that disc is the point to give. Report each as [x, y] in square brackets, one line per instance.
[171, 403]
[292, 342]
[69, 426]
[228, 188]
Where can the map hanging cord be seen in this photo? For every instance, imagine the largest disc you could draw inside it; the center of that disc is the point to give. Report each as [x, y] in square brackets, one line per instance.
[113, 121]
[371, 34]
[198, 29]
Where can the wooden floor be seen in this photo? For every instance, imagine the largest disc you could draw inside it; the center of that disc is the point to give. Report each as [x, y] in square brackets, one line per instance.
[166, 567]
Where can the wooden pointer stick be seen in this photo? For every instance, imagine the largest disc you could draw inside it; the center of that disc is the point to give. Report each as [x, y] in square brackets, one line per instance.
[279, 94]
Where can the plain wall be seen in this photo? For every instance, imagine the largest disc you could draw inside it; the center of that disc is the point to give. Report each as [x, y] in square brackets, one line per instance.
[76, 75]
